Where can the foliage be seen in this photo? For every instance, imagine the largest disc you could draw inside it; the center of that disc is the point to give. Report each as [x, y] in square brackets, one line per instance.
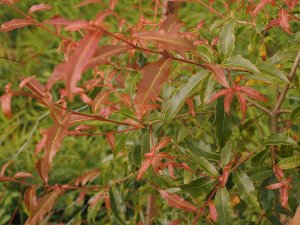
[195, 112]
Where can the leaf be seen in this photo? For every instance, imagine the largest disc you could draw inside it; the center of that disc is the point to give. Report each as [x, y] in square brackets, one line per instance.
[280, 139]
[241, 63]
[226, 39]
[183, 93]
[22, 175]
[176, 201]
[112, 4]
[6, 104]
[271, 72]
[250, 92]
[295, 113]
[4, 167]
[246, 188]
[260, 6]
[226, 154]
[44, 205]
[79, 59]
[117, 204]
[289, 163]
[122, 140]
[169, 40]
[42, 169]
[196, 150]
[39, 7]
[218, 73]
[205, 165]
[198, 187]
[16, 24]
[284, 20]
[224, 209]
[30, 199]
[103, 53]
[171, 24]
[89, 176]
[144, 167]
[154, 75]
[99, 100]
[260, 173]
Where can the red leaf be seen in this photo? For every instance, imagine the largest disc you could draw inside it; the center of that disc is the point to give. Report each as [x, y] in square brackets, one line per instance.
[274, 186]
[89, 176]
[95, 199]
[227, 102]
[99, 100]
[111, 140]
[41, 144]
[44, 205]
[291, 4]
[162, 144]
[22, 175]
[252, 93]
[191, 106]
[112, 4]
[175, 222]
[220, 93]
[134, 123]
[78, 25]
[176, 201]
[213, 214]
[284, 21]
[171, 24]
[15, 24]
[42, 169]
[78, 60]
[145, 165]
[103, 53]
[4, 167]
[6, 104]
[30, 199]
[86, 2]
[272, 23]
[243, 104]
[9, 2]
[260, 6]
[284, 197]
[154, 75]
[218, 73]
[107, 202]
[57, 74]
[39, 7]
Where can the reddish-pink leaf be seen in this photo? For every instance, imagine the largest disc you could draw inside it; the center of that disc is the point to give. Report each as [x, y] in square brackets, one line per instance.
[171, 24]
[145, 165]
[284, 20]
[284, 197]
[30, 199]
[110, 137]
[4, 167]
[9, 2]
[42, 169]
[243, 104]
[274, 186]
[252, 93]
[175, 222]
[218, 73]
[15, 24]
[171, 41]
[112, 4]
[100, 98]
[25, 81]
[22, 175]
[78, 25]
[57, 74]
[103, 54]
[154, 75]
[86, 99]
[6, 104]
[95, 199]
[89, 176]
[44, 205]
[176, 201]
[126, 99]
[220, 93]
[227, 102]
[272, 23]
[79, 59]
[39, 7]
[191, 106]
[41, 144]
[86, 2]
[162, 144]
[260, 6]
[134, 123]
[291, 3]
[107, 202]
[213, 214]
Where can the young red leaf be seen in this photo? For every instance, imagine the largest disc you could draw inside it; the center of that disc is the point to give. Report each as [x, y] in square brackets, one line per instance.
[252, 93]
[111, 140]
[220, 93]
[162, 144]
[112, 4]
[39, 7]
[89, 176]
[191, 106]
[274, 186]
[176, 201]
[9, 2]
[218, 73]
[260, 6]
[42, 169]
[284, 197]
[134, 123]
[79, 59]
[243, 105]
[103, 54]
[291, 3]
[99, 100]
[44, 205]
[284, 20]
[30, 199]
[171, 24]
[95, 199]
[41, 144]
[227, 102]
[153, 76]
[86, 2]
[107, 202]
[213, 214]
[6, 104]
[15, 24]
[22, 175]
[145, 165]
[4, 167]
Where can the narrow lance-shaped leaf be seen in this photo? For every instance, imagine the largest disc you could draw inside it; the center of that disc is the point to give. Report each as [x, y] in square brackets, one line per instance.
[183, 93]
[200, 186]
[154, 75]
[30, 199]
[246, 188]
[284, 20]
[6, 104]
[176, 201]
[279, 138]
[39, 7]
[224, 209]
[79, 59]
[239, 62]
[15, 24]
[260, 6]
[290, 162]
[218, 73]
[42, 169]
[227, 38]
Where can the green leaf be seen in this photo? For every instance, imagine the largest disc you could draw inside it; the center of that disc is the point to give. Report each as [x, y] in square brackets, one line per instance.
[122, 140]
[271, 72]
[226, 154]
[196, 150]
[295, 113]
[117, 205]
[183, 93]
[205, 165]
[246, 188]
[280, 139]
[266, 196]
[290, 162]
[241, 63]
[200, 186]
[226, 39]
[224, 209]
[260, 173]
